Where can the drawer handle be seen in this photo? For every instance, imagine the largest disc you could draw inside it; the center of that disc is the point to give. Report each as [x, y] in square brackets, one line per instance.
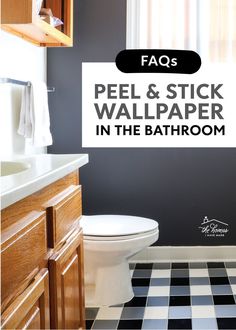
[68, 238]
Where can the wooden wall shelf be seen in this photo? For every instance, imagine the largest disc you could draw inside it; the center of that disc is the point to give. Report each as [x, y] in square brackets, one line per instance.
[20, 18]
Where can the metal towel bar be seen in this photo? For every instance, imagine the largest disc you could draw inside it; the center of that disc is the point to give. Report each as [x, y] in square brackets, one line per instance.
[22, 83]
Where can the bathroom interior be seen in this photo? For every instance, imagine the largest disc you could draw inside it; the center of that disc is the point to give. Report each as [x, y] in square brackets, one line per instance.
[102, 238]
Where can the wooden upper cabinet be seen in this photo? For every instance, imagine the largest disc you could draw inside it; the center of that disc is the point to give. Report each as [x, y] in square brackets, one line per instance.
[21, 18]
[30, 310]
[67, 285]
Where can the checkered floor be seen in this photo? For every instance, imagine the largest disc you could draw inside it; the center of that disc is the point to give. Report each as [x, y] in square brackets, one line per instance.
[174, 296]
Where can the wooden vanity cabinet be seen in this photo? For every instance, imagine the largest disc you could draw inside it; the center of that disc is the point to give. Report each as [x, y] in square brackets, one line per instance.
[42, 259]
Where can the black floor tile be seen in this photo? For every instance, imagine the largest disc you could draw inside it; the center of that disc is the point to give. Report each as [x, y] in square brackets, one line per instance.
[215, 265]
[180, 301]
[180, 324]
[179, 265]
[140, 281]
[179, 281]
[219, 280]
[137, 302]
[226, 323]
[89, 324]
[130, 324]
[224, 300]
[144, 266]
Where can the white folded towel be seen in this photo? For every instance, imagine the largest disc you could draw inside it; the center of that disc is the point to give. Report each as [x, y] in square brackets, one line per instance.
[34, 116]
[25, 125]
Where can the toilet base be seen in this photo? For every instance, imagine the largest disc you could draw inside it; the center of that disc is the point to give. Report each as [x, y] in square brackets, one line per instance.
[107, 273]
[111, 285]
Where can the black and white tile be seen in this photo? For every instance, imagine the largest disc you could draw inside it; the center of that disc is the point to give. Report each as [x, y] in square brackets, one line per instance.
[174, 296]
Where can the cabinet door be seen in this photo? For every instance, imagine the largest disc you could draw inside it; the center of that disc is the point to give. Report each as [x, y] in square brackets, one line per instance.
[30, 310]
[67, 284]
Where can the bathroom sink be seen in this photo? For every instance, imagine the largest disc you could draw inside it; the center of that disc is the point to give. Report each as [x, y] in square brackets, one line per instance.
[22, 176]
[10, 168]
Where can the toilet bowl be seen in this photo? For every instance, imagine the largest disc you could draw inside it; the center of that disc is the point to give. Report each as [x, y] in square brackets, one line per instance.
[109, 242]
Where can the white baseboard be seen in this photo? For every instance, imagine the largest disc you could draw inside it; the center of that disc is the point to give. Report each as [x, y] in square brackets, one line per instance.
[186, 253]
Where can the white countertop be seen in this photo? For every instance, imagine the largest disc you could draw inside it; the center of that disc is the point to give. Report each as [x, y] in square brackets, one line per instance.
[44, 170]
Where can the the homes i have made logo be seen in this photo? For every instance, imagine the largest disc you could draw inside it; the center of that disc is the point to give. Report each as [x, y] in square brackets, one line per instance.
[213, 228]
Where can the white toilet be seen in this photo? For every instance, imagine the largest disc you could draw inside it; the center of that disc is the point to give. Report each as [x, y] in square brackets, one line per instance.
[109, 242]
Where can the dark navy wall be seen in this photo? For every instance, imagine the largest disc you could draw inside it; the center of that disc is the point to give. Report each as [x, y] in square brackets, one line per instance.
[177, 187]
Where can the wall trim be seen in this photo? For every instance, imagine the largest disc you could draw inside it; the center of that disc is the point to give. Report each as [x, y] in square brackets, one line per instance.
[186, 253]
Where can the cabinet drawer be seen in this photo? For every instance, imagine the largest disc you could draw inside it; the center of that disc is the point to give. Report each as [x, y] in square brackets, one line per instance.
[63, 214]
[23, 251]
[30, 310]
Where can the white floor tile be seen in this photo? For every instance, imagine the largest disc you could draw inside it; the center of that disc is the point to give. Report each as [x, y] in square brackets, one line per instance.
[156, 312]
[109, 313]
[160, 273]
[231, 272]
[198, 273]
[159, 291]
[200, 290]
[233, 287]
[203, 312]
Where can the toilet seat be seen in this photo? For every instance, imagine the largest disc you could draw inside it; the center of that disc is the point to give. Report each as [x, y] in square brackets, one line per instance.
[116, 227]
[119, 238]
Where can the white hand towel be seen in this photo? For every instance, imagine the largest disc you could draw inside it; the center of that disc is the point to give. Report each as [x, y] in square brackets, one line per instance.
[41, 135]
[34, 118]
[25, 125]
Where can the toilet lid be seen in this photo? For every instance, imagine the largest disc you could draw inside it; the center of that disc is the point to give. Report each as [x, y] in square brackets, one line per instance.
[116, 225]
